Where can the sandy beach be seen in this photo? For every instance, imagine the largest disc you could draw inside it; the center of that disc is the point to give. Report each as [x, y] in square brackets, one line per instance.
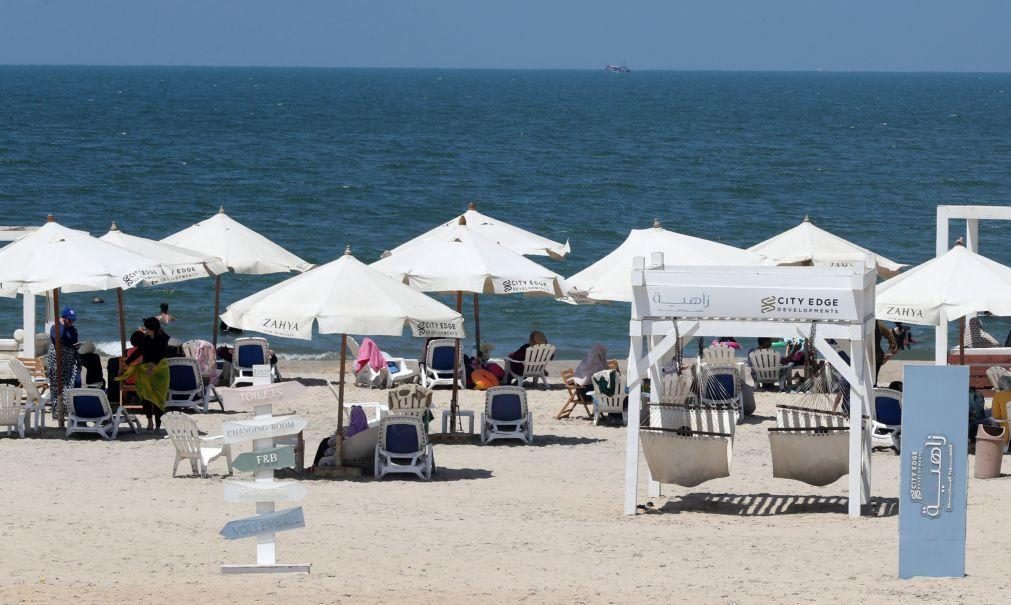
[500, 523]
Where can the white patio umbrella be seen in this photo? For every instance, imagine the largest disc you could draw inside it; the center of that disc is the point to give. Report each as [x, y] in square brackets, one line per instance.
[460, 259]
[240, 248]
[56, 258]
[344, 296]
[176, 264]
[945, 288]
[518, 240]
[808, 244]
[610, 278]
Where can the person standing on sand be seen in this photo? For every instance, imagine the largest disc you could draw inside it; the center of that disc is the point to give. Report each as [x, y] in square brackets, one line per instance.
[152, 373]
[68, 357]
[881, 330]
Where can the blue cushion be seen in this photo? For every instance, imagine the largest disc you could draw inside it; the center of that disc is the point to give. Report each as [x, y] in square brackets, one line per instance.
[250, 355]
[402, 439]
[88, 406]
[182, 378]
[393, 367]
[888, 410]
[506, 407]
[442, 359]
[720, 387]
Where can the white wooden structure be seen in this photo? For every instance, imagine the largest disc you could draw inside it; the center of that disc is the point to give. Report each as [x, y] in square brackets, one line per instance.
[972, 215]
[683, 302]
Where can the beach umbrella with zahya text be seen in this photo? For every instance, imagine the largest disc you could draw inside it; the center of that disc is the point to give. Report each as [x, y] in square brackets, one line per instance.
[240, 248]
[344, 296]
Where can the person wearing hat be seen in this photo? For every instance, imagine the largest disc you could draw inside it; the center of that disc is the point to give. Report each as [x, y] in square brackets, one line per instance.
[68, 354]
[152, 373]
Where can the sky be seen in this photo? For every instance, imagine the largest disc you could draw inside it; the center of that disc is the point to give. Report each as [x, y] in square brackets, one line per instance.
[837, 35]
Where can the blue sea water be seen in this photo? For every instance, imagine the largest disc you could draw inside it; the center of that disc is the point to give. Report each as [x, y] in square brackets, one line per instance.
[319, 158]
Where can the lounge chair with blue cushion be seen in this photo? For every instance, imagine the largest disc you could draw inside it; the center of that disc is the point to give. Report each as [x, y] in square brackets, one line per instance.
[186, 387]
[88, 411]
[506, 415]
[721, 386]
[403, 448]
[250, 352]
[886, 423]
[438, 370]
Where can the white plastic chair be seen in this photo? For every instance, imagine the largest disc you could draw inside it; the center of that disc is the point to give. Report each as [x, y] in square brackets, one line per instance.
[207, 359]
[995, 373]
[186, 387]
[886, 418]
[767, 368]
[35, 402]
[719, 355]
[506, 415]
[438, 370]
[250, 352]
[535, 365]
[190, 445]
[88, 411]
[677, 388]
[403, 448]
[409, 400]
[604, 404]
[12, 409]
[721, 385]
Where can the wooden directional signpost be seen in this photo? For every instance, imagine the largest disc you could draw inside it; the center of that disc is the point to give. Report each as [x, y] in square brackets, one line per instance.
[262, 461]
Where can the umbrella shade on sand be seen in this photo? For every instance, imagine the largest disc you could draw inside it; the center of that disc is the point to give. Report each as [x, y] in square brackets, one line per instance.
[460, 260]
[240, 248]
[518, 240]
[343, 297]
[808, 244]
[176, 264]
[610, 278]
[56, 258]
[948, 287]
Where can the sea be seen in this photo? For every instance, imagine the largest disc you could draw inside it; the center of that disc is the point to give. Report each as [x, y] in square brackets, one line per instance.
[317, 159]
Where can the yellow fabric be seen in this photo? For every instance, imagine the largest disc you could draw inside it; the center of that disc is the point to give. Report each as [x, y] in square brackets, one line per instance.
[999, 409]
[152, 381]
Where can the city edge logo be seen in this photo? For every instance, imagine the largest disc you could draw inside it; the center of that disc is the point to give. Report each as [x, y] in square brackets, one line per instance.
[800, 304]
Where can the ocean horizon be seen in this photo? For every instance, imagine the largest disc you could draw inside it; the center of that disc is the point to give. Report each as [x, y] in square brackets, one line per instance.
[317, 158]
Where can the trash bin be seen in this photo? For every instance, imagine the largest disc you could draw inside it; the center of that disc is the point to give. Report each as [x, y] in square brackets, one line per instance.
[989, 451]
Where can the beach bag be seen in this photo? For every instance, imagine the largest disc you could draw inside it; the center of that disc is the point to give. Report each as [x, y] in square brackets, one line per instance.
[483, 380]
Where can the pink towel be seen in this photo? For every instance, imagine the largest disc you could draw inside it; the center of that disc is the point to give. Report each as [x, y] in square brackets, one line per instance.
[369, 353]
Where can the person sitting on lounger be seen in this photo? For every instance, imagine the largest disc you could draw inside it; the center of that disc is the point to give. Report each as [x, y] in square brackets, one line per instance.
[536, 338]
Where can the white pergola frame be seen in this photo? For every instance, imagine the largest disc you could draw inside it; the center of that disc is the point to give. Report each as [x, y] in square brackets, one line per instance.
[972, 215]
[652, 338]
[10, 234]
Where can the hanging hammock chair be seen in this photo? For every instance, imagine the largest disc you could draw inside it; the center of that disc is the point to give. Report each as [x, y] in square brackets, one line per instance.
[810, 442]
[686, 443]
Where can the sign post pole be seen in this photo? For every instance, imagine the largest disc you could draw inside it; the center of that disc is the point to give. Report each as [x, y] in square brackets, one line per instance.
[263, 460]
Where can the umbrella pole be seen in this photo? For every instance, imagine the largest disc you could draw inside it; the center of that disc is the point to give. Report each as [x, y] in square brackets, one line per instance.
[477, 326]
[217, 302]
[961, 341]
[340, 388]
[122, 341]
[456, 370]
[57, 389]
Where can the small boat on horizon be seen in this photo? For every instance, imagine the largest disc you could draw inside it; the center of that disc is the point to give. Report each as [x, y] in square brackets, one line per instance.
[617, 69]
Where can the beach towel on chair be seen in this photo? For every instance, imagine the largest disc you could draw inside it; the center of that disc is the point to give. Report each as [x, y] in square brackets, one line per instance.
[369, 354]
[152, 381]
[607, 385]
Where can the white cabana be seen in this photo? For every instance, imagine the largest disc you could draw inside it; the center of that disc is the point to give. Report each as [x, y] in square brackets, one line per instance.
[55, 258]
[610, 278]
[343, 297]
[240, 248]
[518, 240]
[808, 244]
[946, 288]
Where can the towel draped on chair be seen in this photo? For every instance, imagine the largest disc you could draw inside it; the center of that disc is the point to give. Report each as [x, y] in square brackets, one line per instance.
[369, 354]
[152, 381]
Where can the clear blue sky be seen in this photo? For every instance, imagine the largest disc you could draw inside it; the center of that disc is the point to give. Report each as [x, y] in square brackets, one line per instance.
[885, 35]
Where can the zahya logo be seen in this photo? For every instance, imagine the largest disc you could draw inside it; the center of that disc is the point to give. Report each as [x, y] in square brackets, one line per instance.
[905, 312]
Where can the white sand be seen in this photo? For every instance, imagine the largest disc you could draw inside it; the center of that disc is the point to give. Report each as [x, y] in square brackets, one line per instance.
[97, 522]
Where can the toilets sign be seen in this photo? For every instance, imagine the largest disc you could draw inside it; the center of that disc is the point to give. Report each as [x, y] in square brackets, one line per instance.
[265, 393]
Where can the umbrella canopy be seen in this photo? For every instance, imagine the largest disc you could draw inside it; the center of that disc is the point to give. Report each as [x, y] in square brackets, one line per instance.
[242, 249]
[461, 259]
[809, 244]
[344, 296]
[959, 282]
[610, 278]
[177, 264]
[55, 257]
[516, 239]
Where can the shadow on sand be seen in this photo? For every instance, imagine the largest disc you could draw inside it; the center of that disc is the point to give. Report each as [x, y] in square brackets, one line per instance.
[767, 505]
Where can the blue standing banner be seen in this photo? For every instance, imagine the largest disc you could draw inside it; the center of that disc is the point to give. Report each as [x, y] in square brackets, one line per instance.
[934, 474]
